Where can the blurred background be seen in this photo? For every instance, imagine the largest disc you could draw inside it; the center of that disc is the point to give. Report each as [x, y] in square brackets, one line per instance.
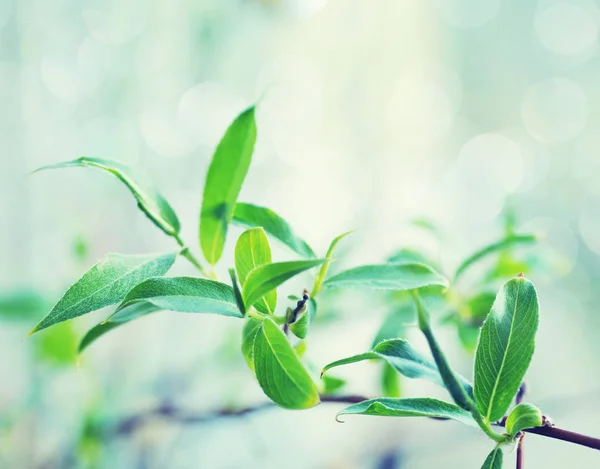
[371, 115]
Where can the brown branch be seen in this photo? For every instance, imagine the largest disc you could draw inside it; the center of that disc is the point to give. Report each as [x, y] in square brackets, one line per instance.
[520, 452]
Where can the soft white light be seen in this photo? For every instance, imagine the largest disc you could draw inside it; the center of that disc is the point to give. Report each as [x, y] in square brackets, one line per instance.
[163, 135]
[589, 223]
[555, 110]
[468, 13]
[567, 28]
[115, 22]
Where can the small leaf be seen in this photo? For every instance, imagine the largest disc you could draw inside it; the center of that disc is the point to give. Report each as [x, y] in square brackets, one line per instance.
[331, 384]
[22, 305]
[57, 346]
[264, 278]
[105, 284]
[248, 335]
[325, 267]
[185, 295]
[494, 459]
[131, 312]
[404, 358]
[390, 381]
[523, 416]
[148, 198]
[301, 326]
[252, 250]
[280, 372]
[224, 181]
[394, 324]
[387, 277]
[505, 347]
[410, 407]
[237, 292]
[273, 224]
[510, 240]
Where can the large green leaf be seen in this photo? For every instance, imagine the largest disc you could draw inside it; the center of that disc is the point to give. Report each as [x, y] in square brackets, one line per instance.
[387, 277]
[255, 216]
[505, 347]
[264, 278]
[224, 181]
[185, 295]
[494, 459]
[105, 284]
[325, 267]
[410, 407]
[131, 312]
[523, 416]
[510, 240]
[252, 250]
[148, 198]
[249, 331]
[279, 370]
[404, 359]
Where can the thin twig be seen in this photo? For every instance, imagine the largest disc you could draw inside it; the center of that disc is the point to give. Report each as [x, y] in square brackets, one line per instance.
[520, 452]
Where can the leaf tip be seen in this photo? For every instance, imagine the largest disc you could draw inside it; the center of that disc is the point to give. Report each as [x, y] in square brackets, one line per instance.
[338, 419]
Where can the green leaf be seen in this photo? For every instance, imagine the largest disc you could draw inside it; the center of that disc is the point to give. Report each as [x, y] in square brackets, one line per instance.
[494, 459]
[510, 240]
[505, 347]
[185, 295]
[332, 384]
[390, 381]
[224, 181]
[148, 198]
[273, 224]
[22, 305]
[264, 278]
[248, 335]
[105, 284]
[523, 416]
[410, 256]
[252, 250]
[394, 324]
[57, 346]
[410, 407]
[131, 312]
[237, 292]
[387, 277]
[325, 267]
[301, 326]
[280, 372]
[407, 361]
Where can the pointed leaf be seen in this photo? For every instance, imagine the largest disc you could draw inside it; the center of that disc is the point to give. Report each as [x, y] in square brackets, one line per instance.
[185, 295]
[252, 250]
[237, 292]
[301, 326]
[279, 370]
[325, 267]
[131, 312]
[332, 384]
[224, 181]
[248, 335]
[415, 407]
[148, 198]
[494, 459]
[510, 240]
[523, 416]
[387, 277]
[404, 359]
[273, 224]
[105, 284]
[505, 347]
[262, 279]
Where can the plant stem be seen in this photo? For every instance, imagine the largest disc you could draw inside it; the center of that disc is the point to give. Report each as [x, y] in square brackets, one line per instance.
[520, 452]
[565, 435]
[185, 252]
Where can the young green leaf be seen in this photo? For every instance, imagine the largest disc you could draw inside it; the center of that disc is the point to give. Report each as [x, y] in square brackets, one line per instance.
[255, 216]
[407, 361]
[494, 459]
[185, 295]
[148, 198]
[252, 250]
[280, 372]
[332, 384]
[325, 267]
[387, 277]
[264, 278]
[410, 407]
[523, 416]
[22, 305]
[237, 292]
[301, 326]
[510, 240]
[505, 347]
[224, 181]
[390, 381]
[105, 284]
[394, 325]
[131, 312]
[248, 334]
